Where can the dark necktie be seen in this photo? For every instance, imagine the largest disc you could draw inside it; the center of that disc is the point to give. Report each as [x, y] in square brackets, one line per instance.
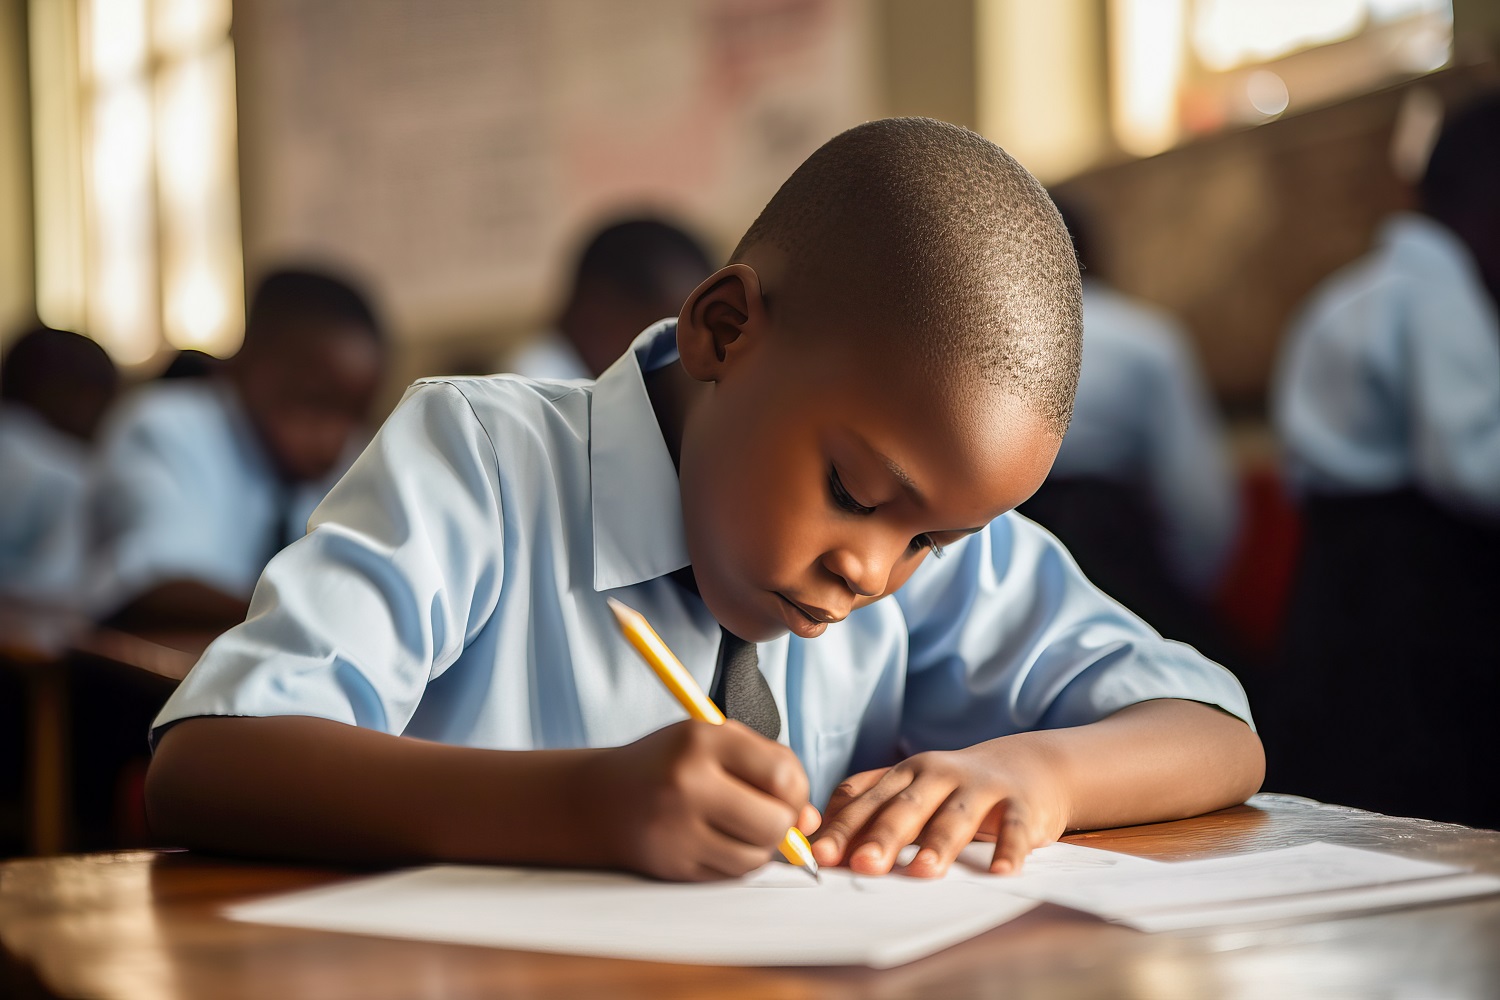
[740, 690]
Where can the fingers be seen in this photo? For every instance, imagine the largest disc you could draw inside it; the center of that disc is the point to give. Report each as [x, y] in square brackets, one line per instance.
[726, 856]
[808, 820]
[951, 828]
[838, 824]
[1014, 839]
[853, 787]
[763, 764]
[898, 821]
[745, 813]
[868, 831]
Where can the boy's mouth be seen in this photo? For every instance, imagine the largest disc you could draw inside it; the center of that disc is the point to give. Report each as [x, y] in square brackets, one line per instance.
[804, 621]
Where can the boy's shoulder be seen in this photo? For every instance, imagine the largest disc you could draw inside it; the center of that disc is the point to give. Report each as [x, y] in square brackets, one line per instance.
[489, 395]
[508, 407]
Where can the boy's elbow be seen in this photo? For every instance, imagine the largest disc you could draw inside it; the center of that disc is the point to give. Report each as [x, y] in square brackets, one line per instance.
[1248, 771]
[193, 768]
[168, 794]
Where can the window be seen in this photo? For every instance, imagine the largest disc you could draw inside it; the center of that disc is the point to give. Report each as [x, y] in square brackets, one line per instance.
[1188, 67]
[137, 198]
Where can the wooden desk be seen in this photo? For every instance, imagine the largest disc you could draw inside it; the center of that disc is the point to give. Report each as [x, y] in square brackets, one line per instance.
[146, 926]
[47, 649]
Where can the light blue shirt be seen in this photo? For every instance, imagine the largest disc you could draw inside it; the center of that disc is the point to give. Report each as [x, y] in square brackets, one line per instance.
[453, 587]
[1391, 375]
[548, 356]
[187, 491]
[44, 490]
[1144, 417]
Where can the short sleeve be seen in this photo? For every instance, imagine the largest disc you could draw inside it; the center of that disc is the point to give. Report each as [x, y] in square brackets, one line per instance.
[1007, 636]
[402, 566]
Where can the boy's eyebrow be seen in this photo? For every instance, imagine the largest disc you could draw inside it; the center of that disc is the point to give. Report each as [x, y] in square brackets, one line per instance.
[907, 483]
[904, 478]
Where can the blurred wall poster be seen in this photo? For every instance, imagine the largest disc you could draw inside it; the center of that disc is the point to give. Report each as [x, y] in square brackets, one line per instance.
[450, 150]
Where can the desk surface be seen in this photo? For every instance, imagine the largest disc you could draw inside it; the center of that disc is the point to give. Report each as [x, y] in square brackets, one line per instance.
[146, 925]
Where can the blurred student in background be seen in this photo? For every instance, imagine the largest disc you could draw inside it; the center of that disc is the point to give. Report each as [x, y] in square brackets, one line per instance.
[54, 389]
[1387, 403]
[629, 275]
[204, 479]
[1143, 490]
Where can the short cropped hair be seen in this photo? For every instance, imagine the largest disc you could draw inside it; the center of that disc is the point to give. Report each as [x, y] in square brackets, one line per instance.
[952, 241]
[1462, 172]
[299, 299]
[636, 257]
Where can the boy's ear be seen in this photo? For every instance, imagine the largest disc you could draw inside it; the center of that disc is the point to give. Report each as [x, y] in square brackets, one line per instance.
[720, 318]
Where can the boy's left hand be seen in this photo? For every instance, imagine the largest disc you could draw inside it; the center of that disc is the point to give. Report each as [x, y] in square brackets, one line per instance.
[1003, 790]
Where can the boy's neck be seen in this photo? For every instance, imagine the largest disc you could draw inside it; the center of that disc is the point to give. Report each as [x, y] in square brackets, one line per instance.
[672, 392]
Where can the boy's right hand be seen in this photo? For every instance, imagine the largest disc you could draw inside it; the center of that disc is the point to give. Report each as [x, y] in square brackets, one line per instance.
[694, 801]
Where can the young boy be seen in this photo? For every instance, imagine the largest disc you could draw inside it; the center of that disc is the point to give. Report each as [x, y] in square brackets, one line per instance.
[204, 479]
[852, 405]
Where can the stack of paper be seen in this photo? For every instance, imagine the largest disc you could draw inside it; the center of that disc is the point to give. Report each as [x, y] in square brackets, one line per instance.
[775, 916]
[1294, 882]
[779, 916]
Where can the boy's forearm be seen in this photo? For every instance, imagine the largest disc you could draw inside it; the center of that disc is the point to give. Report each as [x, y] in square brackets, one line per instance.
[1155, 761]
[311, 788]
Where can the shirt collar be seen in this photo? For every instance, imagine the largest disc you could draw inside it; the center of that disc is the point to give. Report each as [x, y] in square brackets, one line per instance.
[637, 505]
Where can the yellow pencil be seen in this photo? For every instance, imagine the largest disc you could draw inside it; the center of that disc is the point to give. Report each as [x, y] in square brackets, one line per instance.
[674, 675]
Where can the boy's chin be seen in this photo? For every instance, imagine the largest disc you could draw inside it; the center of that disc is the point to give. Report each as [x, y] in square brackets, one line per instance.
[746, 621]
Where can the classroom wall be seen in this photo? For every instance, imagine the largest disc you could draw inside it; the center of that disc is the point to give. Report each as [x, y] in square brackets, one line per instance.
[454, 153]
[1232, 232]
[17, 288]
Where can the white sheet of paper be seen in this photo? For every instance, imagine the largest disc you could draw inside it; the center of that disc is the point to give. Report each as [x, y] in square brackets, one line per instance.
[774, 916]
[1300, 881]
[1343, 901]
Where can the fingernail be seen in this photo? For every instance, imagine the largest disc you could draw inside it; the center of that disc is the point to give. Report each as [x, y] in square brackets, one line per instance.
[1002, 867]
[869, 852]
[926, 856]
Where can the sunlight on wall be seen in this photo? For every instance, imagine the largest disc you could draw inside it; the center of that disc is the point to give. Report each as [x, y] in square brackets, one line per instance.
[1147, 62]
[1040, 84]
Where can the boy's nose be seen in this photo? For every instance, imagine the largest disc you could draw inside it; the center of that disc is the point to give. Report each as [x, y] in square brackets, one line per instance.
[864, 571]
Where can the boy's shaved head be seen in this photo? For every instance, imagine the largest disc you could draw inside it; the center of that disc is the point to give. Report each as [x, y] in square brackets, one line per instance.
[937, 236]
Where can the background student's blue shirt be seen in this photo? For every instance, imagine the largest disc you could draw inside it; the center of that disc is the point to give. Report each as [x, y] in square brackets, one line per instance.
[1144, 417]
[1391, 375]
[44, 491]
[187, 491]
[453, 588]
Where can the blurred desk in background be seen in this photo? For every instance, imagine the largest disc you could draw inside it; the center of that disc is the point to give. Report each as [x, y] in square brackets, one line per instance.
[55, 656]
[147, 924]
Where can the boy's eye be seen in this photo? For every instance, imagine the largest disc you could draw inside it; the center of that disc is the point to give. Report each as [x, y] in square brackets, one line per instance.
[927, 542]
[842, 497]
